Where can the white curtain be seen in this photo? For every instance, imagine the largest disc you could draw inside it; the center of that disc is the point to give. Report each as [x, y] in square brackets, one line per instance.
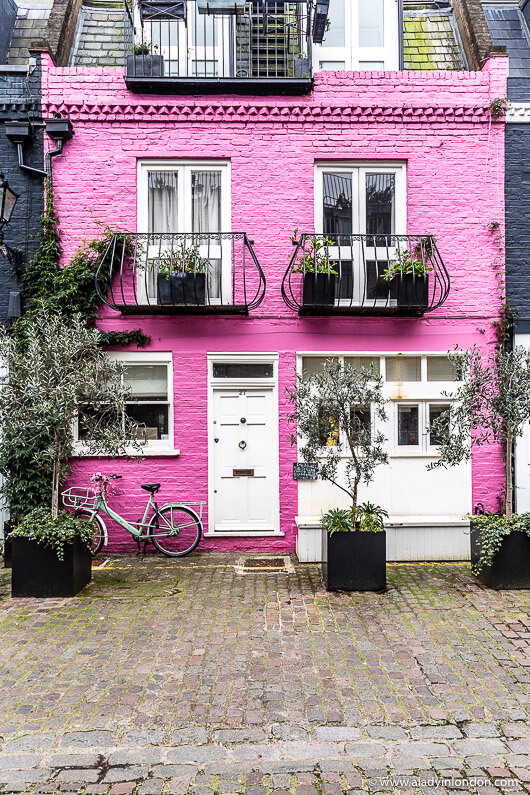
[163, 201]
[206, 201]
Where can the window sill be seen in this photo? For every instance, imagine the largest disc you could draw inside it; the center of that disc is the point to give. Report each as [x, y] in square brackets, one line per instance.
[315, 522]
[146, 453]
[240, 534]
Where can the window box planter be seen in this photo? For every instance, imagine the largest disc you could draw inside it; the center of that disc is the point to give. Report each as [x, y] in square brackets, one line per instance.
[511, 566]
[354, 561]
[319, 289]
[38, 572]
[412, 291]
[182, 288]
[8, 526]
[145, 66]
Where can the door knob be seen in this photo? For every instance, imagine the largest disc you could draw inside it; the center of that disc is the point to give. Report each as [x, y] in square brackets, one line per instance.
[242, 445]
[243, 420]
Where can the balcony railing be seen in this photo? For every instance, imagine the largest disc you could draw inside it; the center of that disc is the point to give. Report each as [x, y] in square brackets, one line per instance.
[190, 46]
[365, 275]
[185, 273]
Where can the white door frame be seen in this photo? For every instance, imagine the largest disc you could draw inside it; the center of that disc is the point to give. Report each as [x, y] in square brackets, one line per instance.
[244, 383]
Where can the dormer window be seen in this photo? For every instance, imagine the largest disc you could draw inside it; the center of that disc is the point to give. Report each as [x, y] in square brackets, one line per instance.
[362, 35]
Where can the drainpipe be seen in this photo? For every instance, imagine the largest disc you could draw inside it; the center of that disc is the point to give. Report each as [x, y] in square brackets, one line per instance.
[400, 35]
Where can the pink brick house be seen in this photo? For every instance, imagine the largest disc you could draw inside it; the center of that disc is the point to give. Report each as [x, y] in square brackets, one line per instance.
[200, 154]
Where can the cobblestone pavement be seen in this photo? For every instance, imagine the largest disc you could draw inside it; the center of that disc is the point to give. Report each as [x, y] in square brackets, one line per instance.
[207, 676]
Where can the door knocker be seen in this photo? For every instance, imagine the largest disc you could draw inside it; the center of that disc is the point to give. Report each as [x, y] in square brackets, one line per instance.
[242, 445]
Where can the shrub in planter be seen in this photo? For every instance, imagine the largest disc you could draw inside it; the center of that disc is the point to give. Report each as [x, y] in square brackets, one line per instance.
[319, 277]
[407, 276]
[182, 277]
[500, 550]
[354, 552]
[51, 557]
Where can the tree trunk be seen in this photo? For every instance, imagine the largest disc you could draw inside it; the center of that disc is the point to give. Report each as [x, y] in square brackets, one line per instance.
[509, 474]
[55, 490]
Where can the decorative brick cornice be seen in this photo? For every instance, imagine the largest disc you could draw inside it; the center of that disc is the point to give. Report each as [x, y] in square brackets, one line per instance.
[215, 112]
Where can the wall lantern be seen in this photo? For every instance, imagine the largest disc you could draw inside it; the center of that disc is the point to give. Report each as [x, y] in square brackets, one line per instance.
[8, 200]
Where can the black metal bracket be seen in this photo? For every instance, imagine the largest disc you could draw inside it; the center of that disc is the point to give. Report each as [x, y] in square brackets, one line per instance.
[13, 255]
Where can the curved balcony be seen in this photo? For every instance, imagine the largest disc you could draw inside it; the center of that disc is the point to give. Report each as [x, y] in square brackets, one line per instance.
[401, 275]
[184, 273]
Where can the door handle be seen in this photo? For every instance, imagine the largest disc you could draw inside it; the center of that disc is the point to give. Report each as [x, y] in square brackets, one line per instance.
[242, 445]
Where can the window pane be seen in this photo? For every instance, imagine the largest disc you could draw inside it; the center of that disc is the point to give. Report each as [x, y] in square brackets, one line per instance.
[147, 381]
[380, 201]
[153, 420]
[206, 201]
[434, 413]
[363, 361]
[440, 368]
[408, 430]
[163, 201]
[314, 364]
[235, 370]
[204, 25]
[332, 66]
[337, 192]
[371, 23]
[328, 430]
[371, 66]
[334, 37]
[403, 368]
[360, 418]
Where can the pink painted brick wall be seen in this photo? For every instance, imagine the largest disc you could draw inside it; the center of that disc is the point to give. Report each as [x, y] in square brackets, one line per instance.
[435, 122]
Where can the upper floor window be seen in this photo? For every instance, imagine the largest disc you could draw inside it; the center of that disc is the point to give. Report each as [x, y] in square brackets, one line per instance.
[362, 35]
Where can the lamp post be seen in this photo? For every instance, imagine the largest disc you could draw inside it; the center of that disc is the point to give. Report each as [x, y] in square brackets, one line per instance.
[8, 200]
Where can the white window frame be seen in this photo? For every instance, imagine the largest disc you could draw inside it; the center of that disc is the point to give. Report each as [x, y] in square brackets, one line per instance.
[423, 393]
[152, 446]
[352, 54]
[185, 169]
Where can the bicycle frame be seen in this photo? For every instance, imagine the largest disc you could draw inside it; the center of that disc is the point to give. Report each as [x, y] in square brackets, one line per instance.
[132, 527]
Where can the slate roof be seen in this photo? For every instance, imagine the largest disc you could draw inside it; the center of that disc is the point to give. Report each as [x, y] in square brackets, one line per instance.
[32, 18]
[508, 27]
[429, 40]
[99, 39]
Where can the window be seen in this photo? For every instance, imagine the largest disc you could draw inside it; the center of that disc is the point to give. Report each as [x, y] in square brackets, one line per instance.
[188, 199]
[242, 370]
[435, 411]
[362, 34]
[314, 364]
[403, 368]
[408, 426]
[361, 200]
[414, 425]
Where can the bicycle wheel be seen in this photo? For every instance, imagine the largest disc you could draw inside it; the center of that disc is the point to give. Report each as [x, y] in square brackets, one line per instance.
[175, 530]
[98, 535]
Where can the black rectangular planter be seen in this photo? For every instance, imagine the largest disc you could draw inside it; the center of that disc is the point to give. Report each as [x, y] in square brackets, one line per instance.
[38, 572]
[354, 561]
[145, 66]
[182, 288]
[510, 569]
[412, 290]
[8, 526]
[319, 289]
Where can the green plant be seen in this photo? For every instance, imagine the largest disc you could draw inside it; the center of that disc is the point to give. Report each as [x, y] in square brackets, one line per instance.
[315, 257]
[55, 532]
[492, 530]
[498, 107]
[141, 49]
[407, 264]
[330, 415]
[182, 259]
[369, 518]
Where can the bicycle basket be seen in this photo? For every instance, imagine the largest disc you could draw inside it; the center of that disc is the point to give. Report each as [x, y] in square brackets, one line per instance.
[78, 497]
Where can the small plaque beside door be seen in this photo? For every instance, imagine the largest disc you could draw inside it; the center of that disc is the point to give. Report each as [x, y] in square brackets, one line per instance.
[243, 473]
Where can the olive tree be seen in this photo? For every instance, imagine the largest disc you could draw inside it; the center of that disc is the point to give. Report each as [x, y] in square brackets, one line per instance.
[331, 411]
[55, 375]
[491, 405]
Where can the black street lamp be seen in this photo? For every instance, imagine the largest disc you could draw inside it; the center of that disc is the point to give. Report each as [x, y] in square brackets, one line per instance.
[8, 200]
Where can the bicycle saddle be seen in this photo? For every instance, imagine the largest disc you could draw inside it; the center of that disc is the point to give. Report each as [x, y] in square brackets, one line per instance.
[152, 487]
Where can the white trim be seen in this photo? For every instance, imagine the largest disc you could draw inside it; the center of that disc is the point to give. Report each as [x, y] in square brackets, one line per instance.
[397, 521]
[518, 113]
[218, 384]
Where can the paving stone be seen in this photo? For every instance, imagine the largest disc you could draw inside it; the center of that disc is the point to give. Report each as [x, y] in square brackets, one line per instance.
[138, 738]
[418, 748]
[73, 760]
[336, 733]
[191, 736]
[138, 756]
[89, 739]
[151, 786]
[472, 747]
[19, 761]
[119, 774]
[364, 749]
[239, 735]
[286, 732]
[78, 776]
[29, 742]
[481, 730]
[200, 753]
[386, 733]
[448, 732]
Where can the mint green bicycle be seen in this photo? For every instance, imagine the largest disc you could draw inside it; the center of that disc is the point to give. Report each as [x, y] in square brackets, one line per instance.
[175, 529]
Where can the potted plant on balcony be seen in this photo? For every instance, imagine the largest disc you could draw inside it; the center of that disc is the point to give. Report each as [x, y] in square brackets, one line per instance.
[333, 412]
[54, 366]
[491, 407]
[145, 62]
[319, 278]
[408, 277]
[181, 277]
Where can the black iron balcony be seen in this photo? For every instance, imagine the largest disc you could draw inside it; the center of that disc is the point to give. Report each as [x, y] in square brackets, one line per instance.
[365, 275]
[187, 273]
[218, 46]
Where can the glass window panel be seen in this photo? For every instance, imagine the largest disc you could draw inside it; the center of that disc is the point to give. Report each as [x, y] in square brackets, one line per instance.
[314, 364]
[241, 370]
[337, 199]
[363, 361]
[328, 430]
[440, 368]
[345, 277]
[376, 285]
[332, 66]
[162, 201]
[403, 368]
[147, 381]
[335, 36]
[206, 201]
[204, 68]
[408, 426]
[380, 204]
[153, 420]
[371, 66]
[371, 23]
[361, 420]
[434, 413]
[205, 29]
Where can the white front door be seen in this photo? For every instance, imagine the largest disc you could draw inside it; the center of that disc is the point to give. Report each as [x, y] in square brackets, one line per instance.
[245, 484]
